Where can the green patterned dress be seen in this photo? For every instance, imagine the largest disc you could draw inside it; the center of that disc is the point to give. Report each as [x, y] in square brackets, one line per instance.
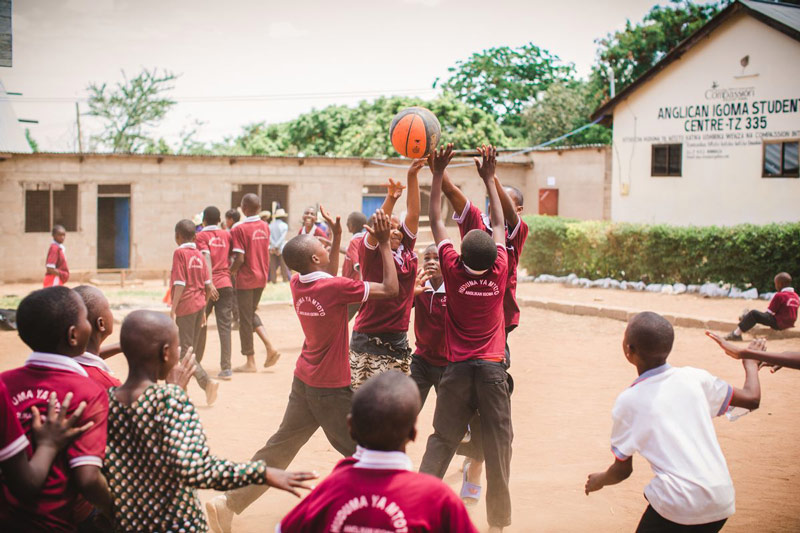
[156, 458]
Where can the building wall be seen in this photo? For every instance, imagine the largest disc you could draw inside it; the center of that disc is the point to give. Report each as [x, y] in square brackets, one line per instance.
[721, 179]
[166, 189]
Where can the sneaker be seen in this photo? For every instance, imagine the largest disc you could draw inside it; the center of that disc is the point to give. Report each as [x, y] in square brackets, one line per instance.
[211, 391]
[220, 516]
[225, 375]
[732, 337]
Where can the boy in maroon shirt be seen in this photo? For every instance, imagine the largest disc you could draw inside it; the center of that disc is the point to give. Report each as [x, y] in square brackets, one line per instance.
[102, 321]
[191, 287]
[321, 391]
[351, 267]
[476, 378]
[781, 313]
[430, 307]
[57, 271]
[215, 244]
[53, 323]
[380, 333]
[379, 491]
[250, 269]
[309, 224]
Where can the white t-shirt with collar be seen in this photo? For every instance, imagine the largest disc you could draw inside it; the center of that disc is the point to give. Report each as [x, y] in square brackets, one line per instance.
[666, 416]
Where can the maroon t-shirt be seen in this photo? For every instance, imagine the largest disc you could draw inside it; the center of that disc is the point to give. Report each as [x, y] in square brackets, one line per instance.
[784, 306]
[217, 244]
[251, 238]
[98, 370]
[474, 328]
[430, 309]
[189, 269]
[56, 259]
[56, 507]
[318, 232]
[320, 301]
[471, 219]
[388, 316]
[12, 436]
[350, 262]
[377, 495]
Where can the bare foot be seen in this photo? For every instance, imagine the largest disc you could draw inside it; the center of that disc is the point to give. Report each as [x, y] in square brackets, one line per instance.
[249, 366]
[272, 358]
[212, 388]
[220, 516]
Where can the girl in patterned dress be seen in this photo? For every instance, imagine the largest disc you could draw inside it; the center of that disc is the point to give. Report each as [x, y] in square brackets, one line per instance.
[157, 456]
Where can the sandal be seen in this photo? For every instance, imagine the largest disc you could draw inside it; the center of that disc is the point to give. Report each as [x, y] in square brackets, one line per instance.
[470, 492]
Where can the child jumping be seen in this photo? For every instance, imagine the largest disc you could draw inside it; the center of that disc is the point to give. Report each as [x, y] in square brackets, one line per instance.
[56, 269]
[321, 393]
[666, 416]
[781, 313]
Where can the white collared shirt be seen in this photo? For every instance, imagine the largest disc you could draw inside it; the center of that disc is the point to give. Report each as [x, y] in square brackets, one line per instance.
[212, 227]
[90, 359]
[188, 245]
[379, 460]
[56, 361]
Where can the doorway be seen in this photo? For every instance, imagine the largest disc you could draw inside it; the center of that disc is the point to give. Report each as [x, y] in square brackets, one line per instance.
[113, 226]
[548, 202]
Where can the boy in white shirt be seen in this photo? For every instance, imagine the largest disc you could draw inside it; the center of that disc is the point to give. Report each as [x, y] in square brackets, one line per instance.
[666, 416]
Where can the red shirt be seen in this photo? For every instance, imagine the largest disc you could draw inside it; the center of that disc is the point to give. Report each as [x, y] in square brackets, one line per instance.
[429, 317]
[318, 232]
[98, 370]
[55, 507]
[12, 436]
[784, 306]
[388, 316]
[378, 493]
[320, 301]
[350, 264]
[56, 259]
[217, 243]
[471, 219]
[189, 269]
[474, 327]
[251, 238]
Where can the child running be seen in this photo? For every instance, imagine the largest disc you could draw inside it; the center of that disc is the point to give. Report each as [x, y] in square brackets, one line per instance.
[56, 269]
[666, 416]
[781, 313]
[475, 378]
[378, 491]
[157, 451]
[380, 333]
[321, 393]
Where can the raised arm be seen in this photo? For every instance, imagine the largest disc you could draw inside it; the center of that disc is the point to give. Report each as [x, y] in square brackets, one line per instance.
[753, 351]
[486, 166]
[394, 189]
[438, 161]
[336, 229]
[380, 231]
[412, 198]
[509, 211]
[457, 199]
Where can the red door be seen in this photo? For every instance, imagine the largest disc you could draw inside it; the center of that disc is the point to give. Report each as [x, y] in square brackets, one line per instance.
[548, 202]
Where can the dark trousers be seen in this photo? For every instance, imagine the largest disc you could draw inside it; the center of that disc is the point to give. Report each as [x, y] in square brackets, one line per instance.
[223, 311]
[652, 522]
[754, 317]
[308, 409]
[425, 375]
[189, 328]
[248, 303]
[465, 388]
[275, 261]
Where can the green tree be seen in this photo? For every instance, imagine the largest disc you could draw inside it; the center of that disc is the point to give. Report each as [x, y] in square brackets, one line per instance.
[504, 81]
[31, 141]
[129, 108]
[562, 108]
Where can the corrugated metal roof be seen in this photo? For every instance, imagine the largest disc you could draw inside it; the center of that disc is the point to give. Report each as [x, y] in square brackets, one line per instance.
[12, 136]
[786, 14]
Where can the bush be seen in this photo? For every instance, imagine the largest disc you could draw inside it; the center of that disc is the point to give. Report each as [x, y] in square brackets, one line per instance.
[745, 255]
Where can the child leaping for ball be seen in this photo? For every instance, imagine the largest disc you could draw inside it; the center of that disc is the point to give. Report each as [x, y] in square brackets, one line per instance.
[321, 392]
[380, 333]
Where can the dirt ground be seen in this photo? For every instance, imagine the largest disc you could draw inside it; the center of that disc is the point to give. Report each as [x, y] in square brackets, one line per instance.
[568, 371]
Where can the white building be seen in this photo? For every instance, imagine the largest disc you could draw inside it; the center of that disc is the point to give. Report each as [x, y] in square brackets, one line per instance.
[709, 135]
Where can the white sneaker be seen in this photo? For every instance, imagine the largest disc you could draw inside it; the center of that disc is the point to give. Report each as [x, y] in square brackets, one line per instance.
[220, 516]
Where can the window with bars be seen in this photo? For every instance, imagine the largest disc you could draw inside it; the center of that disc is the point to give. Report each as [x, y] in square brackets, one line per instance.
[272, 195]
[666, 160]
[781, 159]
[47, 205]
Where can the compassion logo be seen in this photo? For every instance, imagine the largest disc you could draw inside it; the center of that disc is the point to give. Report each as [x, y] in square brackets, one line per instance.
[729, 94]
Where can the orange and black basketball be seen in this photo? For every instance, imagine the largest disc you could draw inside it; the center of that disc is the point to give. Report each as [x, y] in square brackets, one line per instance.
[415, 131]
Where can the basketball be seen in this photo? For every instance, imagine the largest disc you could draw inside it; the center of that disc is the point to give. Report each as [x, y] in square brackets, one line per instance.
[415, 131]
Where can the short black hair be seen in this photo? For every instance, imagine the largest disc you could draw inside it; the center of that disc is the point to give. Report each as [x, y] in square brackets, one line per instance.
[233, 214]
[211, 215]
[478, 250]
[651, 336]
[384, 411]
[356, 219]
[515, 194]
[298, 251]
[185, 229]
[45, 316]
[58, 228]
[784, 279]
[251, 201]
[431, 248]
[94, 300]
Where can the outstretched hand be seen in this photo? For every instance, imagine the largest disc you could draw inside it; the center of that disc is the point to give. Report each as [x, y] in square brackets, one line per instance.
[487, 163]
[57, 430]
[336, 227]
[289, 481]
[440, 158]
[416, 165]
[394, 188]
[729, 348]
[381, 227]
[183, 371]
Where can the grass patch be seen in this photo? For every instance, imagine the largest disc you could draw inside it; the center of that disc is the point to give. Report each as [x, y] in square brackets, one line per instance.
[10, 301]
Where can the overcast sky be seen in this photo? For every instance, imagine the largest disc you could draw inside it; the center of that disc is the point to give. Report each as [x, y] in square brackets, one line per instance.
[302, 54]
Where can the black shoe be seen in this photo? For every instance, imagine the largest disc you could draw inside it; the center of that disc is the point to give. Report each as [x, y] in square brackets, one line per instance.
[732, 337]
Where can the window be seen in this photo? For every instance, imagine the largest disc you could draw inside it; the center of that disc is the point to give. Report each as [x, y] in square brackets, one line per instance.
[271, 195]
[666, 160]
[47, 205]
[780, 159]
